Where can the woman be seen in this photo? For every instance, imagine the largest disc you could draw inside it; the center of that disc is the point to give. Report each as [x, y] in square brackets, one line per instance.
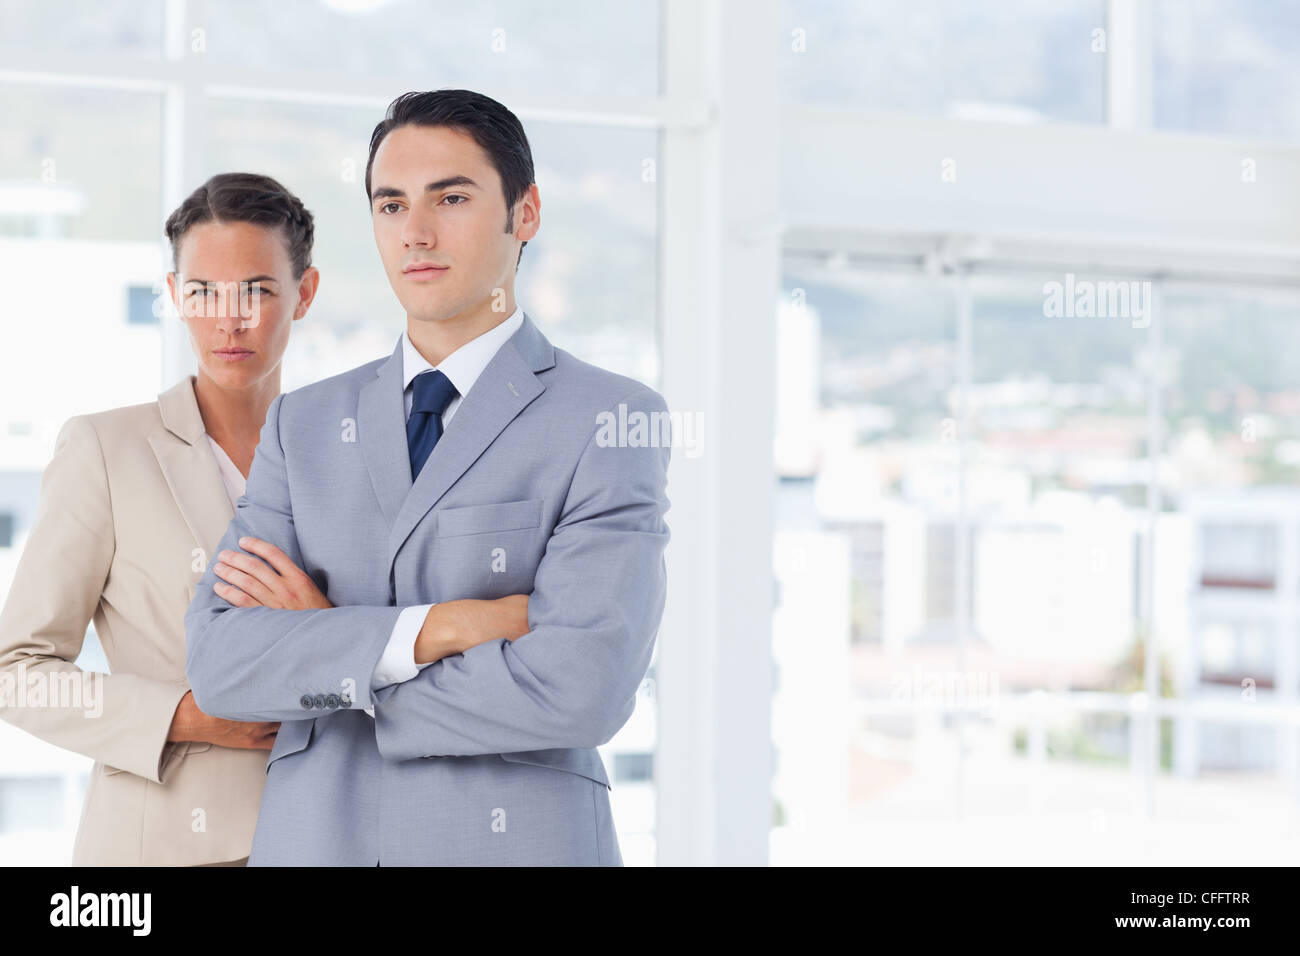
[131, 505]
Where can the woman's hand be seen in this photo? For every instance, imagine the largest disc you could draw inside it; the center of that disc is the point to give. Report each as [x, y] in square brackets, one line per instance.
[190, 723]
[270, 580]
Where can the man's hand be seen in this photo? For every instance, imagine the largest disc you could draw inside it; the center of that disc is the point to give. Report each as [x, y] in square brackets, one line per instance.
[453, 627]
[275, 582]
[190, 723]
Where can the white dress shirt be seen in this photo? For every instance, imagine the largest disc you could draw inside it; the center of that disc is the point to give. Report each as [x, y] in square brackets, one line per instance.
[462, 367]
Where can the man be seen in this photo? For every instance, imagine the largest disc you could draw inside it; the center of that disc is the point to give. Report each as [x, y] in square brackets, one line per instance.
[470, 463]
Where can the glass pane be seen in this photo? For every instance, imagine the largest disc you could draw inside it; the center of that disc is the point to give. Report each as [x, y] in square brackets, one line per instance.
[1016, 60]
[864, 552]
[1231, 467]
[1227, 68]
[30, 803]
[1030, 748]
[80, 240]
[606, 49]
[1232, 409]
[80, 164]
[588, 279]
[1056, 480]
[1238, 555]
[73, 27]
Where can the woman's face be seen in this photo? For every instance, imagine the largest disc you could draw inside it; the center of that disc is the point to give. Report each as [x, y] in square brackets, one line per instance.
[236, 293]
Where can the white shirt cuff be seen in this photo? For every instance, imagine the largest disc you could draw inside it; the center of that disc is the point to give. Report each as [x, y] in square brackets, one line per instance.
[397, 663]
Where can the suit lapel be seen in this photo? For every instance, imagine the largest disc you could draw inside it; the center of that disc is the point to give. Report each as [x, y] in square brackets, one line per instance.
[381, 432]
[505, 388]
[188, 465]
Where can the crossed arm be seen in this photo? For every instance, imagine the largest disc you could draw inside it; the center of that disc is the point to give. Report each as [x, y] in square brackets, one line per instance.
[240, 669]
[598, 596]
[570, 681]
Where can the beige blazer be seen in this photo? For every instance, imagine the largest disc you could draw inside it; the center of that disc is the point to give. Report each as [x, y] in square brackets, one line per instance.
[131, 505]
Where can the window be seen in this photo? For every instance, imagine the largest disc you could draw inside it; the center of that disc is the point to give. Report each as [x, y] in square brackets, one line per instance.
[1213, 61]
[30, 803]
[1017, 61]
[633, 768]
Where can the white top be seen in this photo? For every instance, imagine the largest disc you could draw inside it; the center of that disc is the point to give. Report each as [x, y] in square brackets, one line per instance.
[231, 476]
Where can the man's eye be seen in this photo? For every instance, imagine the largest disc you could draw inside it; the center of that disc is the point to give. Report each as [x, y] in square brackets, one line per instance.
[457, 196]
[385, 206]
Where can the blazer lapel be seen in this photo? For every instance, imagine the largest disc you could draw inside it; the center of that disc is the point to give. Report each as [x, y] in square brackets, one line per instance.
[381, 433]
[188, 465]
[505, 388]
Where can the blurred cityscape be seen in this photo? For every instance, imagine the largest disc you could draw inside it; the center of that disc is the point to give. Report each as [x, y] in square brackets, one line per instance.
[1053, 484]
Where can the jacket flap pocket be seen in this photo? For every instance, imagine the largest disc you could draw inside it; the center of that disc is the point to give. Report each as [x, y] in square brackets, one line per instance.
[481, 519]
[173, 750]
[584, 762]
[293, 736]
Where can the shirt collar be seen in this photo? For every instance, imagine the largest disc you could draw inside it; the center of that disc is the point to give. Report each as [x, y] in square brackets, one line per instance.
[466, 364]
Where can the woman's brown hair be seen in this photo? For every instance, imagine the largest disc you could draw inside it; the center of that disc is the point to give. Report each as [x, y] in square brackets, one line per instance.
[246, 197]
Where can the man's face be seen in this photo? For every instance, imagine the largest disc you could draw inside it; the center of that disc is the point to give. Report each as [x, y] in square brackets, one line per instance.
[236, 293]
[456, 229]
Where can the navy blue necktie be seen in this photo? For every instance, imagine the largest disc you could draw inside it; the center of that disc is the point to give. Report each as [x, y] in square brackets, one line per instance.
[432, 392]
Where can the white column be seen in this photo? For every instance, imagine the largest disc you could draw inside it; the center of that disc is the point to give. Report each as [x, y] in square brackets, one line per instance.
[1129, 55]
[719, 283]
[183, 143]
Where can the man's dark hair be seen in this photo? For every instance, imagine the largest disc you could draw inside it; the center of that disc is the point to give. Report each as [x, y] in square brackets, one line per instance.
[245, 197]
[496, 130]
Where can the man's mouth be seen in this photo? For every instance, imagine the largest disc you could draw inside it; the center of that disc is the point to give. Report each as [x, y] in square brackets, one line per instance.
[422, 271]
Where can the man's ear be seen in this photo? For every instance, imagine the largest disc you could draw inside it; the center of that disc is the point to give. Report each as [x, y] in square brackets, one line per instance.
[530, 214]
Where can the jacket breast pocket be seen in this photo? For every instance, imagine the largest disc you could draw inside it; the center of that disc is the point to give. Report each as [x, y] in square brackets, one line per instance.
[484, 519]
[586, 763]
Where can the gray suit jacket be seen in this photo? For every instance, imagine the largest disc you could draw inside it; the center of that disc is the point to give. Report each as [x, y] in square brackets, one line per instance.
[486, 757]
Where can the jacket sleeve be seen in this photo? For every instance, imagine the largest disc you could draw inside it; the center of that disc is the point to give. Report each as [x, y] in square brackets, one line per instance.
[593, 615]
[256, 663]
[119, 719]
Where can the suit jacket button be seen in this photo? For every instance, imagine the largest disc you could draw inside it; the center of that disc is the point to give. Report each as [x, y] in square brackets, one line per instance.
[319, 701]
[332, 701]
[306, 701]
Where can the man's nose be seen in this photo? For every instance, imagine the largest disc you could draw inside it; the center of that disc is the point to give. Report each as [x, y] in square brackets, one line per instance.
[418, 229]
